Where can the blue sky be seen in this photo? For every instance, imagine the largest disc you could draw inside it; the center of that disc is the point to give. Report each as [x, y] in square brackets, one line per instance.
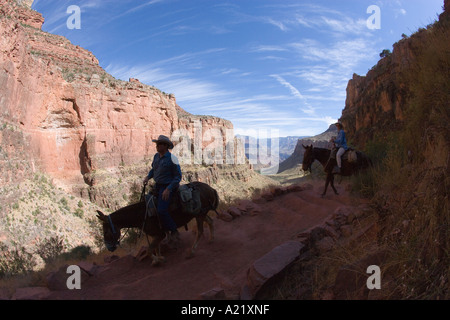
[266, 65]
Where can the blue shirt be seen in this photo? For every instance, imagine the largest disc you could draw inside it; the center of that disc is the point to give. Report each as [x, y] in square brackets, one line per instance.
[166, 171]
[341, 141]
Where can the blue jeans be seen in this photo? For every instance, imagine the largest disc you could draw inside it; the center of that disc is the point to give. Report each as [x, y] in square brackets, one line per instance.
[163, 210]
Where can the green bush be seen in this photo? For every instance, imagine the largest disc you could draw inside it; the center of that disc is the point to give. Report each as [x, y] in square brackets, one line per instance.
[77, 253]
[50, 249]
[15, 261]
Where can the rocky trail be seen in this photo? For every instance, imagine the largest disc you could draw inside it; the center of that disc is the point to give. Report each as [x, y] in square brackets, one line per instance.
[262, 238]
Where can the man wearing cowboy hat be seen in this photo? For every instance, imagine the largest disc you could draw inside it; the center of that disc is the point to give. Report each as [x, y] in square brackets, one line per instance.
[341, 145]
[167, 174]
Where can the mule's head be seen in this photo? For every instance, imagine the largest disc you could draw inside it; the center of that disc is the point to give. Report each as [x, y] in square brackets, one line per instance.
[308, 157]
[111, 234]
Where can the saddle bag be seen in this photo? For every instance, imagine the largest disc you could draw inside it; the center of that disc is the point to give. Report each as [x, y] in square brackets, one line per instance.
[352, 156]
[190, 199]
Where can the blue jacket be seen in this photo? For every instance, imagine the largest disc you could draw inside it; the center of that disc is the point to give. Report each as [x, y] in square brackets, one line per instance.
[341, 141]
[166, 171]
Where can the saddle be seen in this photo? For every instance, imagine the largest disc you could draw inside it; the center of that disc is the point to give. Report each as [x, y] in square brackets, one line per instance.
[187, 197]
[350, 155]
[190, 199]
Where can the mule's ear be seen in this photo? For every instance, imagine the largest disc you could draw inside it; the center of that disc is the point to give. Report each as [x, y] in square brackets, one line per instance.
[304, 146]
[311, 147]
[101, 216]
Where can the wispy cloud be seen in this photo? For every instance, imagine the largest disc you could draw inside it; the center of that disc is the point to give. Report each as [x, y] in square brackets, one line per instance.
[278, 24]
[292, 17]
[342, 54]
[296, 93]
[266, 48]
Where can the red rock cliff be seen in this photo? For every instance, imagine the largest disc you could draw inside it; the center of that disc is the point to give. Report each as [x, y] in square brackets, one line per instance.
[376, 103]
[74, 117]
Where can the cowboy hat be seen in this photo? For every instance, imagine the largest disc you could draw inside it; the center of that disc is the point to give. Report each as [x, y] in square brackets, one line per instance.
[164, 139]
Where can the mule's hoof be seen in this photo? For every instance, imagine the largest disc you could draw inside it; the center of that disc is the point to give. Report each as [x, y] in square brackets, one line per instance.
[142, 254]
[190, 255]
[157, 261]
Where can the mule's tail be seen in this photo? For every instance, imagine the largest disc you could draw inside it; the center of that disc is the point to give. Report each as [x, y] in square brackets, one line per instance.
[215, 203]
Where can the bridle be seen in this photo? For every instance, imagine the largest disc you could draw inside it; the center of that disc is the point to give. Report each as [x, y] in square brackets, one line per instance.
[313, 158]
[114, 243]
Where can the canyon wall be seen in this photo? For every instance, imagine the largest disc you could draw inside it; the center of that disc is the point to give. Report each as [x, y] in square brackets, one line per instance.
[62, 114]
[376, 103]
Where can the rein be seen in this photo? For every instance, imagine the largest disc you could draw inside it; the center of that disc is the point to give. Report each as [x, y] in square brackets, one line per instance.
[113, 229]
[142, 199]
[313, 158]
[112, 225]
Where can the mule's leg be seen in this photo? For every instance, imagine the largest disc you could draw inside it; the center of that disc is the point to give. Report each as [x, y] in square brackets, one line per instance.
[210, 223]
[159, 256]
[155, 250]
[332, 185]
[326, 185]
[200, 221]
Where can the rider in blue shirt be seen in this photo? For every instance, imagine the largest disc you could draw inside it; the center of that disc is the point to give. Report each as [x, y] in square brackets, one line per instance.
[167, 174]
[341, 144]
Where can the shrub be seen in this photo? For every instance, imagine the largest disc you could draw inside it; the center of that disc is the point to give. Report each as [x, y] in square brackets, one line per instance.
[79, 213]
[77, 253]
[50, 249]
[15, 261]
[385, 53]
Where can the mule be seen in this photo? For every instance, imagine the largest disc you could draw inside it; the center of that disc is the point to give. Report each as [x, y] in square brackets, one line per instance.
[135, 216]
[323, 156]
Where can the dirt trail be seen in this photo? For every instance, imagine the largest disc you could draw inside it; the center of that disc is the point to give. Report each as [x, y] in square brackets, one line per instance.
[223, 263]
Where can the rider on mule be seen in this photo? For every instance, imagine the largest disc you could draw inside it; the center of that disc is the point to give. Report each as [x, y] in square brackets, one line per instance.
[167, 174]
[341, 146]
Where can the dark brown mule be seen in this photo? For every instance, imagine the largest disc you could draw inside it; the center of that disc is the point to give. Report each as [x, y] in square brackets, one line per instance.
[323, 156]
[133, 216]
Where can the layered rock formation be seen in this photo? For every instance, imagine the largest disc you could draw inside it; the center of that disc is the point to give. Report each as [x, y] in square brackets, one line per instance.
[62, 114]
[376, 103]
[377, 100]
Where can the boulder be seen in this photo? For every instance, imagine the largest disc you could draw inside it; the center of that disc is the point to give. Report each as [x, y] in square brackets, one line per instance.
[234, 212]
[57, 280]
[89, 267]
[225, 216]
[213, 294]
[249, 207]
[324, 245]
[271, 265]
